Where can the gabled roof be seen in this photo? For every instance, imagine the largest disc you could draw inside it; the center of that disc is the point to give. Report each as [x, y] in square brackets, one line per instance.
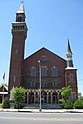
[3, 90]
[43, 48]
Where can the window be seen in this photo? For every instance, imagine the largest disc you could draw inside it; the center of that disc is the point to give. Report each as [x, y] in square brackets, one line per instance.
[43, 58]
[16, 51]
[14, 78]
[71, 78]
[19, 19]
[32, 84]
[44, 83]
[54, 83]
[44, 71]
[53, 71]
[70, 63]
[33, 71]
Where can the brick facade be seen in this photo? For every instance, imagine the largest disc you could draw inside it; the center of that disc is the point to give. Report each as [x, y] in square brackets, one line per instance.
[55, 72]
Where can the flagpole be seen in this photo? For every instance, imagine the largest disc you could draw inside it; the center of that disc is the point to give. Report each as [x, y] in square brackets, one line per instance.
[3, 85]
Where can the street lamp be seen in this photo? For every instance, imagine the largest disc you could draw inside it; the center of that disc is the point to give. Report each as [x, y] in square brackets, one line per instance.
[40, 83]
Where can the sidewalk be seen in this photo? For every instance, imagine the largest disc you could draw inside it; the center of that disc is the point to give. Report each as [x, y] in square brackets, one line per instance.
[44, 110]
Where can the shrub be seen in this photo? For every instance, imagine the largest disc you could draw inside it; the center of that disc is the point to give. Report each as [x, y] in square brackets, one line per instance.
[6, 103]
[68, 104]
[19, 96]
[18, 105]
[78, 104]
[0, 105]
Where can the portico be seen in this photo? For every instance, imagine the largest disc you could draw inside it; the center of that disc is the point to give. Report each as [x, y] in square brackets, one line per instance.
[47, 96]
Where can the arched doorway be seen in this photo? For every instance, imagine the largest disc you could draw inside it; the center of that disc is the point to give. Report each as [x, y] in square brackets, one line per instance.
[49, 98]
[55, 98]
[31, 97]
[43, 97]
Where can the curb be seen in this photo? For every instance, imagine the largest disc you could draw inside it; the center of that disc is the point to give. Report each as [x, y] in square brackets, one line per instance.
[43, 110]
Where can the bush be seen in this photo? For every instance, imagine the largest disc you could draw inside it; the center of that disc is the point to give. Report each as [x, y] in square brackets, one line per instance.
[18, 105]
[6, 103]
[78, 104]
[68, 104]
[19, 96]
[0, 105]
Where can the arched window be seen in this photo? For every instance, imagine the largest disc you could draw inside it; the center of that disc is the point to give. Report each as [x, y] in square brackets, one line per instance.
[53, 71]
[32, 84]
[19, 18]
[54, 83]
[71, 78]
[33, 71]
[44, 83]
[44, 71]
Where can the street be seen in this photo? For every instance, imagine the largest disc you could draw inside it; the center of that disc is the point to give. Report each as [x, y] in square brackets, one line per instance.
[40, 118]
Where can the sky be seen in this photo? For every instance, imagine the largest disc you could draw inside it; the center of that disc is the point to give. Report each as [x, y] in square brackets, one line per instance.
[50, 24]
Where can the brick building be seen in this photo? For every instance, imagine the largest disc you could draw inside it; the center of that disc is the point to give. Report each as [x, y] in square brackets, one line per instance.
[56, 72]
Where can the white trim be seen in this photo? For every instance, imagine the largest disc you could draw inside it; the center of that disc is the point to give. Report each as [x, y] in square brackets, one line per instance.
[3, 93]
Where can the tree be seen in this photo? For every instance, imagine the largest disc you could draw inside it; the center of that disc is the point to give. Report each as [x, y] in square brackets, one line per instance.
[68, 104]
[65, 93]
[19, 96]
[78, 104]
[6, 103]
[80, 96]
[4, 84]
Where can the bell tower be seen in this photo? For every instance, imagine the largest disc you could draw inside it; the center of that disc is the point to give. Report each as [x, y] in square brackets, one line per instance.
[19, 34]
[71, 73]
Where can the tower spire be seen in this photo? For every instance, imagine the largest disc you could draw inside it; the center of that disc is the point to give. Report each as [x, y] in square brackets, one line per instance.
[21, 8]
[69, 52]
[69, 56]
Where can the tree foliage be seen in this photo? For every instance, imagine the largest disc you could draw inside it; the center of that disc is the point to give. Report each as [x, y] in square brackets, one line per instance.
[19, 96]
[65, 93]
[78, 104]
[4, 84]
[6, 103]
[68, 104]
[80, 96]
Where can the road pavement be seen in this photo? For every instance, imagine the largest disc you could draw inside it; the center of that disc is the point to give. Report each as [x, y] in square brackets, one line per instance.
[40, 118]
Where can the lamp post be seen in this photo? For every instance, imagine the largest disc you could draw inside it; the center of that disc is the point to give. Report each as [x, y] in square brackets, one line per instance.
[40, 83]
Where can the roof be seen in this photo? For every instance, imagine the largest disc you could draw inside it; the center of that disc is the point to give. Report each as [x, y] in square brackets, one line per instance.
[43, 48]
[70, 68]
[3, 90]
[21, 8]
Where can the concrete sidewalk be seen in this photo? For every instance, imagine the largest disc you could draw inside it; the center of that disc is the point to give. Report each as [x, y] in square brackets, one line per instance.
[44, 110]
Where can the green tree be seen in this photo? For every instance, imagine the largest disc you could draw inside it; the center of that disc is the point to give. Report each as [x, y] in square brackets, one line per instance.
[65, 93]
[78, 104]
[68, 104]
[19, 96]
[4, 84]
[6, 103]
[80, 96]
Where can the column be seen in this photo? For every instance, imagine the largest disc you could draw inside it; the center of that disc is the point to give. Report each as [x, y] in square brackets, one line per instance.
[58, 96]
[34, 97]
[47, 97]
[27, 97]
[51, 98]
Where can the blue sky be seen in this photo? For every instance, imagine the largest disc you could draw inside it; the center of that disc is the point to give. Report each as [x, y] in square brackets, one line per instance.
[50, 24]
